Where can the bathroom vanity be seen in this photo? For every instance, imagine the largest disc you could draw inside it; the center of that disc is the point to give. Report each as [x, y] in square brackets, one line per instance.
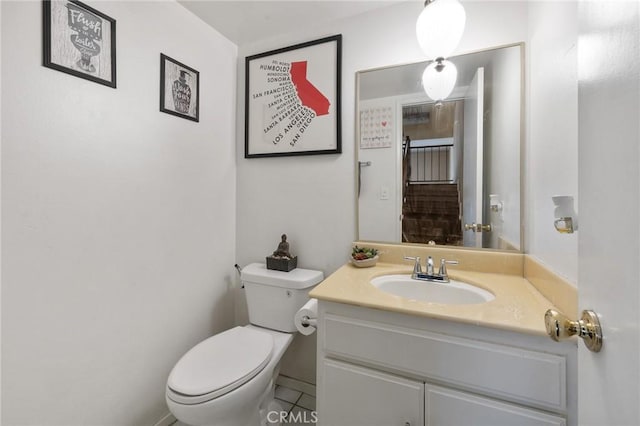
[388, 360]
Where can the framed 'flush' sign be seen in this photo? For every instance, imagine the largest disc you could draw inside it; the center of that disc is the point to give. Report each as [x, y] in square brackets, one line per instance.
[292, 100]
[79, 40]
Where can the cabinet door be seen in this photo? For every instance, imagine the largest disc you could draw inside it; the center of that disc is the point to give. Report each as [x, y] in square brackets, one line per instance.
[358, 396]
[446, 407]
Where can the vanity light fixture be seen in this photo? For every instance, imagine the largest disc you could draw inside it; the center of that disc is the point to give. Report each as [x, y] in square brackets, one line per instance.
[439, 27]
[439, 79]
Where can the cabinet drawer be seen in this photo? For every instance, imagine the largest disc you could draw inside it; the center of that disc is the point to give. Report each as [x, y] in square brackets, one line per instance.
[520, 375]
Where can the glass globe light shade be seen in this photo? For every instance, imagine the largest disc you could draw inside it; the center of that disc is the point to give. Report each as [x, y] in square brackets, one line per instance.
[439, 28]
[439, 84]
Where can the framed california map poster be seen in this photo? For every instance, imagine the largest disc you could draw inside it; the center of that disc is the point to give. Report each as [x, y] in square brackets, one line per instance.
[292, 100]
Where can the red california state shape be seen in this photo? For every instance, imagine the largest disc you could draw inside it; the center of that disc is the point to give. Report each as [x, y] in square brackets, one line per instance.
[309, 95]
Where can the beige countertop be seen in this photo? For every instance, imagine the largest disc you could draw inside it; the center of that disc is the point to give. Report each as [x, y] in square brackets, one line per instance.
[517, 306]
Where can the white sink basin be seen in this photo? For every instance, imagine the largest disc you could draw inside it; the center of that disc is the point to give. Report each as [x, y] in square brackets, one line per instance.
[451, 293]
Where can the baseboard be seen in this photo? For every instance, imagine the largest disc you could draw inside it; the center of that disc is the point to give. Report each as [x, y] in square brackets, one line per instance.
[167, 420]
[295, 384]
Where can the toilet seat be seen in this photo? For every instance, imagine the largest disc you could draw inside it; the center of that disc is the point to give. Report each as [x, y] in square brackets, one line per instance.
[219, 364]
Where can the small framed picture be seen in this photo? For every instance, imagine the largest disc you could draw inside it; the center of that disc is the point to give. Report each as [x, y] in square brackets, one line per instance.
[79, 40]
[179, 89]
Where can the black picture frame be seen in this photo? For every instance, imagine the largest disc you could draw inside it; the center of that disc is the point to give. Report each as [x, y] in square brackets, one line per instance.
[287, 114]
[79, 40]
[178, 79]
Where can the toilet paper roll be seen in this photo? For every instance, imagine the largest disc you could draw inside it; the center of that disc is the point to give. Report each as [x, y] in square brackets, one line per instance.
[306, 319]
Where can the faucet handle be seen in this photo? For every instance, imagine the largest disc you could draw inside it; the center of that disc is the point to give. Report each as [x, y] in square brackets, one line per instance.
[417, 269]
[443, 265]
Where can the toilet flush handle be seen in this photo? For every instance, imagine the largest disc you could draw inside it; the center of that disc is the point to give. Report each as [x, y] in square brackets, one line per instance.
[239, 273]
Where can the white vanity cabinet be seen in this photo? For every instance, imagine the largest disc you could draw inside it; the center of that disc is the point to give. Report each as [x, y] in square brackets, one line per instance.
[384, 368]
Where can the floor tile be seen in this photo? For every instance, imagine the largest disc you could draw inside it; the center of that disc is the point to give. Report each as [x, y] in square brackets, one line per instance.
[307, 401]
[304, 387]
[286, 406]
[287, 394]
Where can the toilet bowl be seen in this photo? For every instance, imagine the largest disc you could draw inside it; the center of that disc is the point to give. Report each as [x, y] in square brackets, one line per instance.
[229, 379]
[199, 394]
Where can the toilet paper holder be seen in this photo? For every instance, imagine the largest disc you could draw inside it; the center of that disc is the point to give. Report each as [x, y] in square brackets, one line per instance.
[309, 322]
[306, 319]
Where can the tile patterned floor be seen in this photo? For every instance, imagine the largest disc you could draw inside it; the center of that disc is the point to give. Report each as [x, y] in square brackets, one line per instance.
[299, 406]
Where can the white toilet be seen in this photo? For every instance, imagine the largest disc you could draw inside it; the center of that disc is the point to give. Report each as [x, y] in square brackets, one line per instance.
[229, 379]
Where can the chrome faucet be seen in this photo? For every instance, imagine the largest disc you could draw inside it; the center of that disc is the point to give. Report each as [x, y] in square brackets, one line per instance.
[430, 275]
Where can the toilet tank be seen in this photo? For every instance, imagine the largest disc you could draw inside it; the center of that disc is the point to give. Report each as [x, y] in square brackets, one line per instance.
[274, 297]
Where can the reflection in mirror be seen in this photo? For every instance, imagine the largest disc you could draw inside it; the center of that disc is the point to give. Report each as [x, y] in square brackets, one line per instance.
[445, 172]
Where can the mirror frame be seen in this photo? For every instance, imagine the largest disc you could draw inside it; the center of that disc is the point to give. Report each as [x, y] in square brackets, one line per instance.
[523, 127]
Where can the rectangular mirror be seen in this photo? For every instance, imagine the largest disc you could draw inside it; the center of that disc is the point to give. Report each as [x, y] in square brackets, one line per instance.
[446, 172]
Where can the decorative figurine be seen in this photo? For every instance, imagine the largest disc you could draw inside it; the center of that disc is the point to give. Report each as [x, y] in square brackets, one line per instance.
[283, 248]
[281, 259]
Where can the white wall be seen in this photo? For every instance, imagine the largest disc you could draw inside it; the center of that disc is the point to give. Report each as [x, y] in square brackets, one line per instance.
[118, 219]
[552, 132]
[504, 175]
[312, 198]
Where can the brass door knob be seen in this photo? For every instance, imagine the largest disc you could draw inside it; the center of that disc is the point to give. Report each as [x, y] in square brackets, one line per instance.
[477, 227]
[559, 327]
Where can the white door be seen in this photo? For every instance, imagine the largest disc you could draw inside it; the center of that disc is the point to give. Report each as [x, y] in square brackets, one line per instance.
[472, 158]
[609, 194]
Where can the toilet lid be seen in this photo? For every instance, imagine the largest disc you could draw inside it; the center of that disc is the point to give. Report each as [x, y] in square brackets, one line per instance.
[221, 363]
